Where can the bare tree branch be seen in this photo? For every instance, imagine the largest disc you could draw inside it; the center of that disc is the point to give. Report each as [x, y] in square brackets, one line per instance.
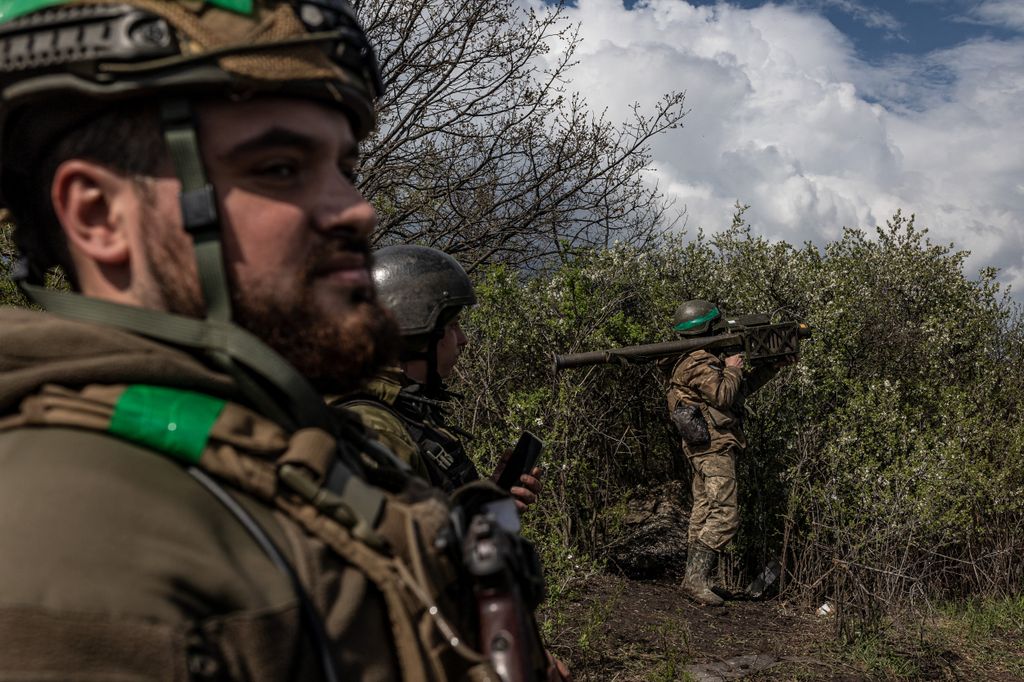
[485, 154]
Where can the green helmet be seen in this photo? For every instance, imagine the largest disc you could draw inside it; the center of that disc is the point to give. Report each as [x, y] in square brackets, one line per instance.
[695, 317]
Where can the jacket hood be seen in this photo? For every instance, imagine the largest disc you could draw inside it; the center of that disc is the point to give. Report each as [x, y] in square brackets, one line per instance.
[38, 348]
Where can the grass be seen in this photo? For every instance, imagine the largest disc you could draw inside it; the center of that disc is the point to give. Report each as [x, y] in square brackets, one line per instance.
[881, 656]
[977, 639]
[673, 638]
[989, 633]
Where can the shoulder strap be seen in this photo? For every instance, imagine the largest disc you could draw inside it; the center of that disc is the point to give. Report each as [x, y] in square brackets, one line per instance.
[230, 347]
[312, 619]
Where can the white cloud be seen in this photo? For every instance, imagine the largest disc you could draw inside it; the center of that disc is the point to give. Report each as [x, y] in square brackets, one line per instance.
[786, 118]
[1006, 13]
[870, 16]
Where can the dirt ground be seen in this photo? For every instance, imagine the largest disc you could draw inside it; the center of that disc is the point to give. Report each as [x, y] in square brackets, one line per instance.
[616, 629]
[612, 629]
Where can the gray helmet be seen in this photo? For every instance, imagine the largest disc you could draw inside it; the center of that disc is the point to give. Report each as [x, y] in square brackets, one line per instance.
[423, 287]
[695, 317]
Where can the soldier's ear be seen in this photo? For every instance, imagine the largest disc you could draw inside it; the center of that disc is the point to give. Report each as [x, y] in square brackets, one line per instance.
[92, 203]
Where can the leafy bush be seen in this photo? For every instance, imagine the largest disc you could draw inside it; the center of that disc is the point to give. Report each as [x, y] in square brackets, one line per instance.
[885, 466]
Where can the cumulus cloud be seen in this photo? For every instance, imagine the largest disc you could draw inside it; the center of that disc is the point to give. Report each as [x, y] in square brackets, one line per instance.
[786, 118]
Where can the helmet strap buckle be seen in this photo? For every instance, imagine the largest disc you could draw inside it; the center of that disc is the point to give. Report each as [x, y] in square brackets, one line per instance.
[198, 201]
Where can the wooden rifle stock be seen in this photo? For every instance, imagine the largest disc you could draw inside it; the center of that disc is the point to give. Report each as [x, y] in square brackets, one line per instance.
[508, 588]
[760, 343]
[506, 636]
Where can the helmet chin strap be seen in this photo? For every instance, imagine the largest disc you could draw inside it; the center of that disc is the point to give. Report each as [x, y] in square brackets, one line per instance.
[201, 219]
[264, 378]
[198, 201]
[434, 383]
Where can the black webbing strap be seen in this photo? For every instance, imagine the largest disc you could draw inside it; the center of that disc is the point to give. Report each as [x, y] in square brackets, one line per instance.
[198, 204]
[313, 621]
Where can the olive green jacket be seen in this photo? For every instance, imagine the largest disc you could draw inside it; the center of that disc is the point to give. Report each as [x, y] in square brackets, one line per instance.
[116, 564]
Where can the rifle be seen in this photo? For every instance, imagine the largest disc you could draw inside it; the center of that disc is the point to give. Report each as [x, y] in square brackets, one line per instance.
[509, 587]
[755, 336]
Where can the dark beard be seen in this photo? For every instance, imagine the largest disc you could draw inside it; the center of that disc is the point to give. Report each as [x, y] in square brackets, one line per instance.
[336, 356]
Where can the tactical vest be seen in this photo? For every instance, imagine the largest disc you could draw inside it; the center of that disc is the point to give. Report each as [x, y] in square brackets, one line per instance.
[398, 537]
[447, 463]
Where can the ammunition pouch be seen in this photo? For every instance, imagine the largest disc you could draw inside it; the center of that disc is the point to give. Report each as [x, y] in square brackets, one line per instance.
[447, 463]
[690, 422]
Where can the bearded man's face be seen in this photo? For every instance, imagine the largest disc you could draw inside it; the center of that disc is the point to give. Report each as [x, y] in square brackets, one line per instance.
[295, 234]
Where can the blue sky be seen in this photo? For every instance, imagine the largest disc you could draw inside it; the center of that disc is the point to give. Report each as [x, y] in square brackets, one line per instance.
[824, 114]
[880, 30]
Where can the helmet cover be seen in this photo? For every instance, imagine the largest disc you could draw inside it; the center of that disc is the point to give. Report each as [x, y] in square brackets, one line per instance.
[695, 317]
[62, 60]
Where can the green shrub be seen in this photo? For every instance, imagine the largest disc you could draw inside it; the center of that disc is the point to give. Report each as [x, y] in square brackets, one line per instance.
[886, 465]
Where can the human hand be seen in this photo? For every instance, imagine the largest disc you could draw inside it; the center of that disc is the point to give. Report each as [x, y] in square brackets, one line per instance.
[526, 494]
[734, 361]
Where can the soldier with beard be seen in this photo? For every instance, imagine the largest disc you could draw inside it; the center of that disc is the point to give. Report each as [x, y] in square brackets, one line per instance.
[176, 502]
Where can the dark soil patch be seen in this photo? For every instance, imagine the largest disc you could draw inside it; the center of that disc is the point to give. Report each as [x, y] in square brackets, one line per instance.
[613, 628]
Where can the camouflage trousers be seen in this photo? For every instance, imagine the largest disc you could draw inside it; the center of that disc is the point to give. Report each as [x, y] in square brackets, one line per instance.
[715, 516]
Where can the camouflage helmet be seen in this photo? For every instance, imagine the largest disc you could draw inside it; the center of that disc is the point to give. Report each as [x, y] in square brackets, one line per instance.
[423, 287]
[695, 317]
[63, 62]
[100, 51]
[114, 49]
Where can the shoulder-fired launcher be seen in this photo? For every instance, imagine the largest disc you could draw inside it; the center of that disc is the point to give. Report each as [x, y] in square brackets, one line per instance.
[755, 336]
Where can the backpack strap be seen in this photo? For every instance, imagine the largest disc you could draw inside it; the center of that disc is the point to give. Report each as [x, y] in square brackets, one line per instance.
[309, 613]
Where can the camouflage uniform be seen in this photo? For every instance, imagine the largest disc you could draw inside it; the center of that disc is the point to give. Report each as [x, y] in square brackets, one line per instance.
[701, 378]
[414, 429]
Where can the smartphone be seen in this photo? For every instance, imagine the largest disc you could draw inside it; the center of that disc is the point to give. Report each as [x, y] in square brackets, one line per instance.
[518, 461]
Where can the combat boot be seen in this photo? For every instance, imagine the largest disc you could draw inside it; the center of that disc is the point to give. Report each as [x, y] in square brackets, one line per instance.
[699, 561]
